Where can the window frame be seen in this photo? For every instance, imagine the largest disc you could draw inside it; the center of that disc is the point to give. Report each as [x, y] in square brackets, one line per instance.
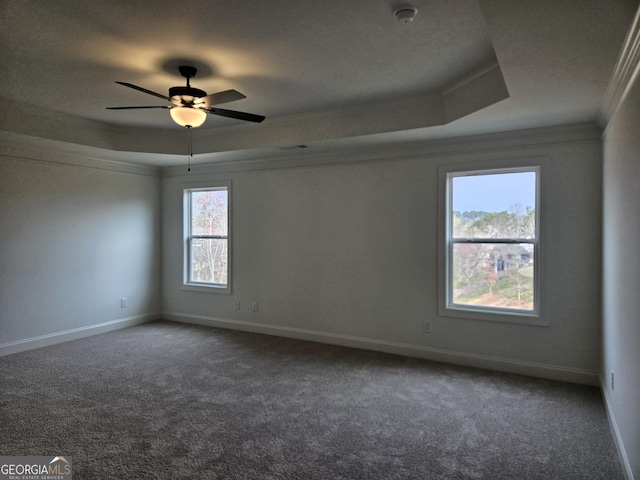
[446, 306]
[187, 283]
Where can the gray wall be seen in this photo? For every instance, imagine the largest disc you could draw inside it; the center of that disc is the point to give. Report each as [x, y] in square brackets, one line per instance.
[621, 264]
[348, 253]
[73, 240]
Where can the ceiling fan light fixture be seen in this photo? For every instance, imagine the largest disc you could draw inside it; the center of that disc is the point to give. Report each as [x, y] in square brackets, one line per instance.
[188, 116]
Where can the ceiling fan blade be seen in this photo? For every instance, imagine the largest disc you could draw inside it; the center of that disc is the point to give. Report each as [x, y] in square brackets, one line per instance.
[131, 108]
[249, 117]
[220, 97]
[144, 90]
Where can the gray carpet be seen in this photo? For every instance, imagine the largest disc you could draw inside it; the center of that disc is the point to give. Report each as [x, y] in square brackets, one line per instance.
[171, 401]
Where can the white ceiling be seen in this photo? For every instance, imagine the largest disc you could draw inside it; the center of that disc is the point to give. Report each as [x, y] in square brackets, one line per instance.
[323, 73]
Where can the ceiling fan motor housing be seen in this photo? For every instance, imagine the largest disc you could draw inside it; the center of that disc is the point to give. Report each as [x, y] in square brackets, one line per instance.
[186, 95]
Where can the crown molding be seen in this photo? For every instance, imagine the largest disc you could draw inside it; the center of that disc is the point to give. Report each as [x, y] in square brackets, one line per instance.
[624, 74]
[394, 151]
[24, 147]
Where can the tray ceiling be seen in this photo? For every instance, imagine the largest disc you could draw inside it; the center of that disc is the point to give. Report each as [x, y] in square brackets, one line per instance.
[319, 71]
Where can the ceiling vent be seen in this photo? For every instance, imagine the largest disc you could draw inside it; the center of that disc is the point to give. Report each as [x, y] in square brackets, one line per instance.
[294, 147]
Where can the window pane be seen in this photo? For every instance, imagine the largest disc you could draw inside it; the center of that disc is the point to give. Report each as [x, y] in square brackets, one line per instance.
[209, 260]
[500, 205]
[209, 212]
[493, 275]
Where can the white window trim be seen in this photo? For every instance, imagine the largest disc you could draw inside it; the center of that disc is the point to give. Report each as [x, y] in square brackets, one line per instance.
[186, 229]
[445, 306]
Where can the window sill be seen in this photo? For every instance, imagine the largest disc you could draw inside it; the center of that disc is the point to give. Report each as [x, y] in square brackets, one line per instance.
[224, 290]
[519, 318]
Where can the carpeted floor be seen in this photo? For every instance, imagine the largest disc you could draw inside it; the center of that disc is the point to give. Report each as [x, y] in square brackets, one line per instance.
[171, 401]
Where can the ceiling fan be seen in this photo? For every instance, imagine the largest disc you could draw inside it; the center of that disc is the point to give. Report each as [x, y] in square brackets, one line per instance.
[190, 106]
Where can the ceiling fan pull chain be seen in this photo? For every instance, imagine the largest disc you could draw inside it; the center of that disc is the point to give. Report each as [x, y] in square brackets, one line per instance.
[189, 149]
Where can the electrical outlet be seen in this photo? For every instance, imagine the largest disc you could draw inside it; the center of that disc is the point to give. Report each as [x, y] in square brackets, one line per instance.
[254, 306]
[237, 304]
[124, 302]
[612, 380]
[426, 327]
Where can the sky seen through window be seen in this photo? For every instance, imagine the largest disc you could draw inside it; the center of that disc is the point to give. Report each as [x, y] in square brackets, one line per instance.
[494, 193]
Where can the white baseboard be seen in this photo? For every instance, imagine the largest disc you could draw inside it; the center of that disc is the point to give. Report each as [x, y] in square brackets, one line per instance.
[553, 372]
[74, 333]
[617, 437]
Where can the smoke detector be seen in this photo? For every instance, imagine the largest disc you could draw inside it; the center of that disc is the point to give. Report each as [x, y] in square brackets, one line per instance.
[406, 14]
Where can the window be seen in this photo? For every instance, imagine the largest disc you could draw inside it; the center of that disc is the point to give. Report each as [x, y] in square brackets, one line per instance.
[207, 238]
[492, 241]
